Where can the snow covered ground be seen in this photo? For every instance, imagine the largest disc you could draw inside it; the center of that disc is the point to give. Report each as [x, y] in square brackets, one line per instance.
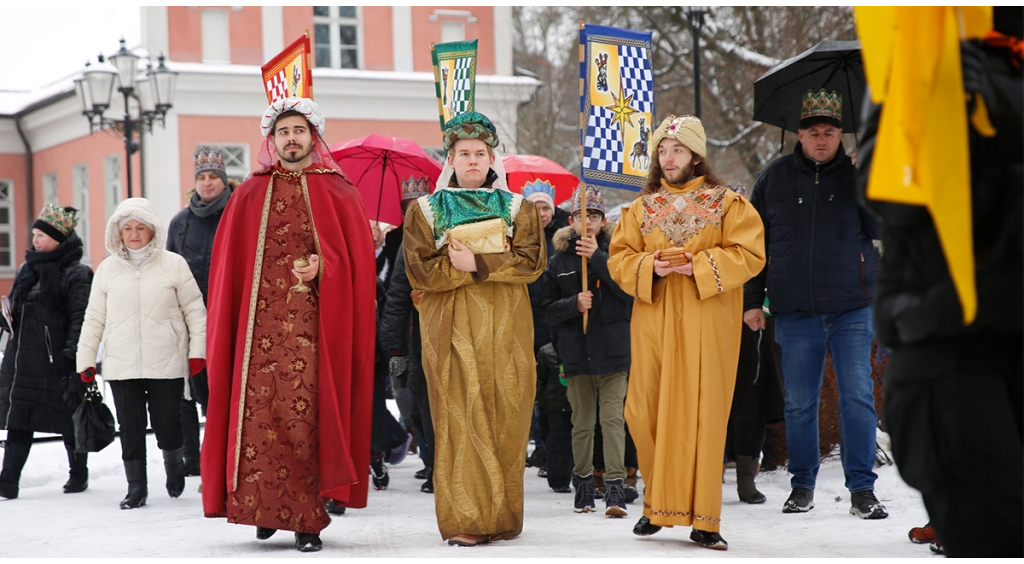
[400, 522]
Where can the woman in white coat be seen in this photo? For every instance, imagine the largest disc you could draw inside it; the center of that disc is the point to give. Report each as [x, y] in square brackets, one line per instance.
[147, 311]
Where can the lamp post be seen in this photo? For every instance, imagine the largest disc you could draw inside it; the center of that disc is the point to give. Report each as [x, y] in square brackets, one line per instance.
[695, 16]
[154, 90]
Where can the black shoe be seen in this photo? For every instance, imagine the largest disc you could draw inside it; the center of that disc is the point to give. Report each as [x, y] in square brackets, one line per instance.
[9, 491]
[644, 527]
[866, 506]
[801, 500]
[334, 508]
[538, 458]
[421, 474]
[78, 477]
[175, 468]
[428, 485]
[138, 489]
[264, 533]
[308, 542]
[15, 455]
[561, 489]
[542, 472]
[191, 467]
[76, 484]
[379, 473]
[614, 498]
[630, 492]
[584, 486]
[708, 539]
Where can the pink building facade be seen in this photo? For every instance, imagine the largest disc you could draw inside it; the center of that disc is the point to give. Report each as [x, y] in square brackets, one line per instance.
[372, 75]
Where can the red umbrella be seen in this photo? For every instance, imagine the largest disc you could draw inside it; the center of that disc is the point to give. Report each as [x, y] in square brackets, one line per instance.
[378, 165]
[524, 169]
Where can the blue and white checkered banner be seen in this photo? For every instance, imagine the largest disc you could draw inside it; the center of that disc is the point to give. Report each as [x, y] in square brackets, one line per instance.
[616, 106]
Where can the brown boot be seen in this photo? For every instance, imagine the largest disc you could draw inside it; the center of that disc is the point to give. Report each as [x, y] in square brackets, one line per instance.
[746, 469]
[631, 477]
[598, 484]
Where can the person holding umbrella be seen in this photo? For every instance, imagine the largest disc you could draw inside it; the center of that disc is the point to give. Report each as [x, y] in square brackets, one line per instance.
[819, 282]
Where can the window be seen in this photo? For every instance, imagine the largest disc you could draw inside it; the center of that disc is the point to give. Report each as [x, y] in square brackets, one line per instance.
[236, 159]
[6, 226]
[80, 180]
[111, 183]
[216, 41]
[49, 188]
[337, 38]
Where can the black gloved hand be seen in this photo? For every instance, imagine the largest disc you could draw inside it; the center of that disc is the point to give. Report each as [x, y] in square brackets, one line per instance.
[74, 392]
[397, 366]
[975, 78]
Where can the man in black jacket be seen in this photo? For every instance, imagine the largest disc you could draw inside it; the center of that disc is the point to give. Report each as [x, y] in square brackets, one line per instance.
[191, 235]
[953, 391]
[596, 362]
[819, 277]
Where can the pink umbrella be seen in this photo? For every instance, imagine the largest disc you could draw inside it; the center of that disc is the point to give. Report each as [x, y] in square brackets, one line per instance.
[378, 165]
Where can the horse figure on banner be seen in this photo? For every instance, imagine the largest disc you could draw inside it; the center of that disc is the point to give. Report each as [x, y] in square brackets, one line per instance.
[640, 151]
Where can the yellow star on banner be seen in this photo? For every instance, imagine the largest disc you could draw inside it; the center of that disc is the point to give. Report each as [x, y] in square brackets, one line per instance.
[622, 109]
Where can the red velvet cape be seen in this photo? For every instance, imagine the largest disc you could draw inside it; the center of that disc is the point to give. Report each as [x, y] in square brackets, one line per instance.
[347, 290]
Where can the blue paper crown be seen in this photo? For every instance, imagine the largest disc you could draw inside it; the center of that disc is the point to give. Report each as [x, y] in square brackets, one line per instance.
[538, 185]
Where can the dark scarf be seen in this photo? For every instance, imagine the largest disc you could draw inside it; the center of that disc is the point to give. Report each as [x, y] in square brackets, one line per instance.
[45, 268]
[492, 177]
[202, 209]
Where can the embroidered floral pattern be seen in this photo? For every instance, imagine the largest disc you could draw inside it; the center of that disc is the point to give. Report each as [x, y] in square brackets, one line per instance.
[681, 216]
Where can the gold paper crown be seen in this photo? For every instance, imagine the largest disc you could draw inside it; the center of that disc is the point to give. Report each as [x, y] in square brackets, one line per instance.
[413, 187]
[822, 104]
[63, 219]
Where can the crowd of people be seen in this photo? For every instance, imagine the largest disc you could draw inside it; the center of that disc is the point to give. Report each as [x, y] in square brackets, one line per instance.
[641, 353]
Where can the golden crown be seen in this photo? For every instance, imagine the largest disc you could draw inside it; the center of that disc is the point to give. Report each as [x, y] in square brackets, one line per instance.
[822, 104]
[63, 219]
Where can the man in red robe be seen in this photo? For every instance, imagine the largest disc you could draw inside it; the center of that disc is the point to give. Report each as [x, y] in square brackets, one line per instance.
[290, 363]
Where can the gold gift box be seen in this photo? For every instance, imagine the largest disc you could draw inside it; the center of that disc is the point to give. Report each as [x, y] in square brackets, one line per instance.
[481, 237]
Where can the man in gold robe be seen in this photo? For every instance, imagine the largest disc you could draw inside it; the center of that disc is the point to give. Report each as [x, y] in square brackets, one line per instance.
[477, 330]
[685, 330]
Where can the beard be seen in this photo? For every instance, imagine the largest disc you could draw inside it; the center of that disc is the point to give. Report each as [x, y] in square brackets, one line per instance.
[680, 177]
[294, 153]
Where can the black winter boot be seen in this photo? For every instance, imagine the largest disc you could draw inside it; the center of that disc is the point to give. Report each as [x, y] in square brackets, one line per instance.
[190, 433]
[138, 488]
[746, 469]
[15, 455]
[428, 486]
[78, 477]
[175, 468]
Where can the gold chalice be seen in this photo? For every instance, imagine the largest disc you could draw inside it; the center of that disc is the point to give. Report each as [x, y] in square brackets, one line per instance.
[301, 286]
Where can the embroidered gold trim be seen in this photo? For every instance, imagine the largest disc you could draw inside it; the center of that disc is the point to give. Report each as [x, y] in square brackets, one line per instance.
[299, 173]
[636, 289]
[256, 270]
[689, 514]
[312, 225]
[714, 268]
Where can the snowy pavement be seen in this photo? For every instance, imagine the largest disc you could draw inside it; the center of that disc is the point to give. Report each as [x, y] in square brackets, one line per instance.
[400, 522]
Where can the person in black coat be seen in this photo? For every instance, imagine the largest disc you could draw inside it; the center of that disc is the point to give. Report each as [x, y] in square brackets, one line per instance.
[191, 235]
[553, 401]
[595, 363]
[39, 389]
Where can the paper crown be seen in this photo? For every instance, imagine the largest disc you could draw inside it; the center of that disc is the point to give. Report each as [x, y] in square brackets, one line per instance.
[413, 187]
[538, 185]
[595, 199]
[822, 107]
[62, 219]
[210, 159]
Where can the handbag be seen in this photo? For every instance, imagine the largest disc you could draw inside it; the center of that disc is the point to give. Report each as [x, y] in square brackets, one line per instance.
[481, 237]
[94, 424]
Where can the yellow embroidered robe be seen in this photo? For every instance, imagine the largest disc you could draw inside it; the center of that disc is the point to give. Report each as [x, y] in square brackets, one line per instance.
[685, 337]
[477, 332]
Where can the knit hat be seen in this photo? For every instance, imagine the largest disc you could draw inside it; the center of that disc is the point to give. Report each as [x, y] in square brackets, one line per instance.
[56, 221]
[688, 130]
[595, 199]
[413, 187]
[540, 191]
[470, 125]
[821, 108]
[304, 106]
[210, 161]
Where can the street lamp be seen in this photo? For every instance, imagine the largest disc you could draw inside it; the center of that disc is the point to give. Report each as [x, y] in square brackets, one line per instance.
[154, 90]
[695, 16]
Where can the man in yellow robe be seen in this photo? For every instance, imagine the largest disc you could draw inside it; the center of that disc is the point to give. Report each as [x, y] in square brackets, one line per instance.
[685, 331]
[477, 331]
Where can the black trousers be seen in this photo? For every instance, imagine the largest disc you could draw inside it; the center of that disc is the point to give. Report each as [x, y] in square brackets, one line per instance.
[558, 444]
[953, 410]
[131, 399]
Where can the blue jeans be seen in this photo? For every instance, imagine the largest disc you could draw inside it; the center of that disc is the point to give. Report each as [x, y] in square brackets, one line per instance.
[804, 339]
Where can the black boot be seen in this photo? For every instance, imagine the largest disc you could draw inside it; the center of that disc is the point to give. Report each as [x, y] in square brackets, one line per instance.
[264, 533]
[15, 455]
[138, 489]
[428, 486]
[644, 527]
[746, 469]
[190, 433]
[78, 477]
[308, 542]
[175, 468]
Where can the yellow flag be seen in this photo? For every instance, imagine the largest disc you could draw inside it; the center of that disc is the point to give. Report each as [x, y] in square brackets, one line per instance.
[921, 157]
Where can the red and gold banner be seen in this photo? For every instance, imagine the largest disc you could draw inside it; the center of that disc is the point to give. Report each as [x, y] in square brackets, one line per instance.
[287, 75]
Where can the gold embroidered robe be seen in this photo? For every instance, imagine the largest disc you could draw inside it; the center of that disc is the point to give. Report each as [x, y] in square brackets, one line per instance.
[477, 332]
[685, 338]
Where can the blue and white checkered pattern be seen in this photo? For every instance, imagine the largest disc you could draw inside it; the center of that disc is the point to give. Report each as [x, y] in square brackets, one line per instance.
[602, 146]
[637, 77]
[462, 86]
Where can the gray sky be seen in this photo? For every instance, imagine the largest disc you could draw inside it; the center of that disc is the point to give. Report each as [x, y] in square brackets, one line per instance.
[41, 43]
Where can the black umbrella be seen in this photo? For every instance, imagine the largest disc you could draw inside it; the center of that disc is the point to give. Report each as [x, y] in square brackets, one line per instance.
[832, 65]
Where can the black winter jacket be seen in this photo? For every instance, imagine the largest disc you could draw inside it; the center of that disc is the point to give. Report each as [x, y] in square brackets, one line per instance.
[817, 237]
[191, 237]
[551, 394]
[541, 331]
[605, 347]
[39, 362]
